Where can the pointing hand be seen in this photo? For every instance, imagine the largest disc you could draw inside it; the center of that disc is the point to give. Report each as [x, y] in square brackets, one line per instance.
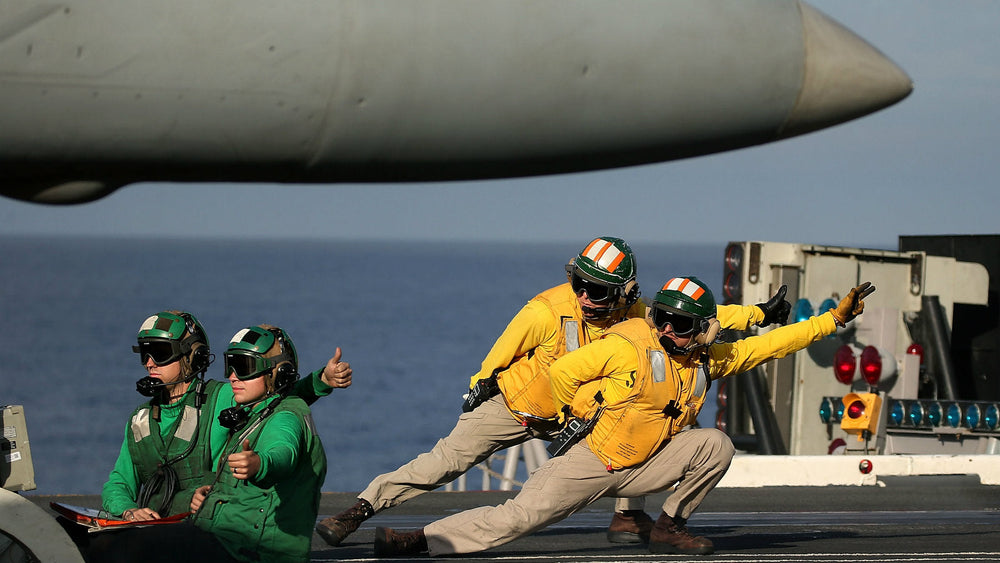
[853, 304]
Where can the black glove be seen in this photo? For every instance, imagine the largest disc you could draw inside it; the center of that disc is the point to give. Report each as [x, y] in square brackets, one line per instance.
[482, 391]
[776, 309]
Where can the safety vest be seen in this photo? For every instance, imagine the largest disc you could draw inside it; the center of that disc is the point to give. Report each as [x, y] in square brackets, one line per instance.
[149, 449]
[644, 408]
[268, 521]
[525, 384]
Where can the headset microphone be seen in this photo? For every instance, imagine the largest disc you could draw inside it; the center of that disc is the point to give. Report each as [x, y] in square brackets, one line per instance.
[234, 418]
[147, 386]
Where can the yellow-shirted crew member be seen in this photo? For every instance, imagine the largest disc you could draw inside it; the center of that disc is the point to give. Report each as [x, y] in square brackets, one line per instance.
[638, 388]
[510, 397]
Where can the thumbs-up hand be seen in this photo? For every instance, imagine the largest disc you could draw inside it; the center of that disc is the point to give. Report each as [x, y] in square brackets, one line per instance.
[337, 373]
[244, 464]
[776, 308]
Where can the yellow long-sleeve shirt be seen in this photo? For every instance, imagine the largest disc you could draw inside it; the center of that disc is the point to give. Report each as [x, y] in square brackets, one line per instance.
[617, 364]
[535, 337]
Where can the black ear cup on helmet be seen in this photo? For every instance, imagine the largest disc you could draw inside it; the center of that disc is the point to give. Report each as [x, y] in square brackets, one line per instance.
[200, 357]
[285, 375]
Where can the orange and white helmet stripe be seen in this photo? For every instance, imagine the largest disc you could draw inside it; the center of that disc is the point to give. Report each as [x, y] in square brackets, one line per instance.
[685, 286]
[604, 254]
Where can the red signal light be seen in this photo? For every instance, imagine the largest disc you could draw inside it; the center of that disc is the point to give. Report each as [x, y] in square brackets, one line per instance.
[871, 365]
[844, 364]
[856, 409]
[916, 350]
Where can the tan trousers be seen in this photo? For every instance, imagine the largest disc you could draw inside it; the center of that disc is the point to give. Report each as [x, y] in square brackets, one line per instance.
[694, 459]
[477, 435]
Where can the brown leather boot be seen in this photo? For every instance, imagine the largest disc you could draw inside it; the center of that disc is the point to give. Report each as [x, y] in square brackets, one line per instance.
[670, 535]
[630, 526]
[390, 543]
[334, 529]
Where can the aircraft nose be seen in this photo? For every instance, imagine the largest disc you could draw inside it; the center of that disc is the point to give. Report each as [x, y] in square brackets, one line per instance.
[844, 76]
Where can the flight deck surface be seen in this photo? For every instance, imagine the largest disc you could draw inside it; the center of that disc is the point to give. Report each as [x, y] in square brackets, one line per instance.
[931, 518]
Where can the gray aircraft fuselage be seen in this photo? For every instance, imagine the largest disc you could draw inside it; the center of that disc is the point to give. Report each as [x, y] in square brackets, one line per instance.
[97, 94]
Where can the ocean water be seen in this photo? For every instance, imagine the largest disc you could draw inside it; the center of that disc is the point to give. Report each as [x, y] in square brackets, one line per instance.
[414, 319]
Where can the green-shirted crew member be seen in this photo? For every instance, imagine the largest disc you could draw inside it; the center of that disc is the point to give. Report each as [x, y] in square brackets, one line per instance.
[262, 500]
[171, 440]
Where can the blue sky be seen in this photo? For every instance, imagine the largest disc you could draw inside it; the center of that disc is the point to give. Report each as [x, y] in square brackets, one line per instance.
[927, 165]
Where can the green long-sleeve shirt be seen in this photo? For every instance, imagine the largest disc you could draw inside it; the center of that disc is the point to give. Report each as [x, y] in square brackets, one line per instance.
[121, 490]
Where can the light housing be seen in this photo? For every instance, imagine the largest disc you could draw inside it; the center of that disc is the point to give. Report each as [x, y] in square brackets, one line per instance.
[861, 412]
[732, 274]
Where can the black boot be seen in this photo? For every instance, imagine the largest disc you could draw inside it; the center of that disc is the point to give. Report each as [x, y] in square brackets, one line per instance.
[390, 543]
[334, 529]
[670, 535]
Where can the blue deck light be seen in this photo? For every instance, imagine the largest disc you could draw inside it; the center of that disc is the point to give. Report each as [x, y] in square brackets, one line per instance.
[953, 415]
[991, 416]
[803, 310]
[896, 413]
[934, 414]
[826, 410]
[916, 415]
[972, 416]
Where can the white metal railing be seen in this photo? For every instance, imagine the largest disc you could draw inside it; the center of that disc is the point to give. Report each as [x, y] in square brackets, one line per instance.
[533, 454]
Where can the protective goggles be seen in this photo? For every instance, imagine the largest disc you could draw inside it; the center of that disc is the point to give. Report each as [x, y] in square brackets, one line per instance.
[597, 292]
[247, 366]
[162, 352]
[682, 325]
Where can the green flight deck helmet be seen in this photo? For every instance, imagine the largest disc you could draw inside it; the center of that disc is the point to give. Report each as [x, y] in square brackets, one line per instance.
[606, 270]
[169, 336]
[688, 306]
[263, 350]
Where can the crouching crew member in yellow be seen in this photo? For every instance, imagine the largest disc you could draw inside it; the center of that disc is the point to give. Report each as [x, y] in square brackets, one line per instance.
[510, 398]
[643, 382]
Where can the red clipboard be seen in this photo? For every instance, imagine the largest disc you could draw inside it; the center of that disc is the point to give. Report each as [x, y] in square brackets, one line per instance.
[98, 520]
